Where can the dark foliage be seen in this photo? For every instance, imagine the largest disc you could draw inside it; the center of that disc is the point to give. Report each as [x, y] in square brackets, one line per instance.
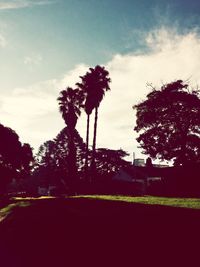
[110, 160]
[54, 159]
[70, 103]
[94, 84]
[16, 159]
[170, 123]
[181, 181]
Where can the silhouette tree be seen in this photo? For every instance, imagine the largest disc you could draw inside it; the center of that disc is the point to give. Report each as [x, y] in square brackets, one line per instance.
[62, 146]
[110, 160]
[15, 158]
[47, 154]
[170, 123]
[70, 103]
[53, 159]
[52, 166]
[94, 83]
[27, 160]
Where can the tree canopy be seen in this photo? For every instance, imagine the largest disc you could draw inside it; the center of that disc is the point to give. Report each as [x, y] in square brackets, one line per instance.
[169, 122]
[70, 102]
[13, 154]
[110, 160]
[15, 158]
[94, 84]
[53, 157]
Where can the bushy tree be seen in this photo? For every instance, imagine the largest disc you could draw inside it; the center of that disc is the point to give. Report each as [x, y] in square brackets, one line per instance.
[54, 158]
[16, 158]
[169, 123]
[109, 161]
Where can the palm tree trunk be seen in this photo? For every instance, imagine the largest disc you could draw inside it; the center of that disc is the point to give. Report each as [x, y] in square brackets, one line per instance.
[93, 165]
[72, 161]
[87, 145]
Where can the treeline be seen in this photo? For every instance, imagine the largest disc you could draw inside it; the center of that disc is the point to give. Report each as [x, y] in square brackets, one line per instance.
[67, 160]
[168, 123]
[54, 159]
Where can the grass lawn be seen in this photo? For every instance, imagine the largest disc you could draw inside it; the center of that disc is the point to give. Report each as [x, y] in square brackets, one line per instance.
[192, 203]
[96, 230]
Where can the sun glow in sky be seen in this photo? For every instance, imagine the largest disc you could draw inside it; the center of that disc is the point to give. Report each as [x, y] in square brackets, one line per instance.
[46, 45]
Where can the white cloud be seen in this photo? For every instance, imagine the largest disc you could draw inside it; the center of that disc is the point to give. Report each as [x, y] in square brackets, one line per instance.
[33, 60]
[170, 56]
[33, 112]
[14, 4]
[2, 41]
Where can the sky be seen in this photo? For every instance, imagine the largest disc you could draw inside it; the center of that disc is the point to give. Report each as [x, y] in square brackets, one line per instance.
[46, 45]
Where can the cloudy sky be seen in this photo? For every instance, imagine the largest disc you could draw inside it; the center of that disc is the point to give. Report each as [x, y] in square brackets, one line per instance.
[45, 46]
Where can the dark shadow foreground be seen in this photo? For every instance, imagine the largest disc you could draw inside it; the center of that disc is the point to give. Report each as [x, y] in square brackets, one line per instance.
[83, 232]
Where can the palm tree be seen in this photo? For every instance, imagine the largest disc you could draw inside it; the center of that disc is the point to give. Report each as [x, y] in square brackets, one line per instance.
[94, 84]
[88, 106]
[70, 103]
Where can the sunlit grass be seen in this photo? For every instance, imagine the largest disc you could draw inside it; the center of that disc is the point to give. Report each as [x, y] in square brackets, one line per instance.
[192, 203]
[8, 209]
[32, 198]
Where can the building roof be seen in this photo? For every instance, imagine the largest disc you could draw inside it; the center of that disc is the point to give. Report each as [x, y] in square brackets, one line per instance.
[140, 172]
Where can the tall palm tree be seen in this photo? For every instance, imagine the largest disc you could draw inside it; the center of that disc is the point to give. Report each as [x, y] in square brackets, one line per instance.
[88, 106]
[70, 103]
[101, 84]
[94, 83]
